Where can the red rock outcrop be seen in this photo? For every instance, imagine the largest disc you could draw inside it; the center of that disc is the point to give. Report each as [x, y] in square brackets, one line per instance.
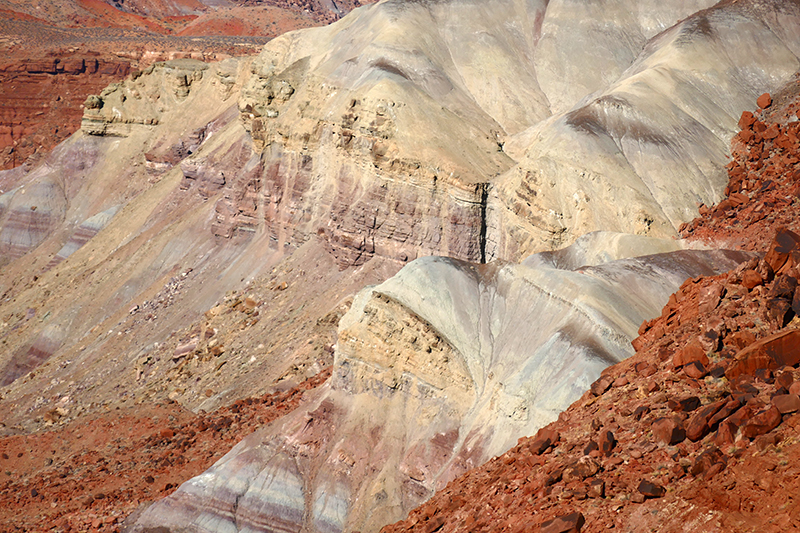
[41, 102]
[764, 179]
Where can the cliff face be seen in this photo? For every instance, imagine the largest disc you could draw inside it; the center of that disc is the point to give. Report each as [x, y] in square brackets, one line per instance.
[542, 173]
[153, 205]
[327, 163]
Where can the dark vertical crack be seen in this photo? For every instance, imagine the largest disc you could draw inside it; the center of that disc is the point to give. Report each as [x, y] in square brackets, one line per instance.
[483, 188]
[235, 509]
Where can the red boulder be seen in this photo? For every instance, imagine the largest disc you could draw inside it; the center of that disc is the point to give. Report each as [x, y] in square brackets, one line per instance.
[571, 523]
[762, 423]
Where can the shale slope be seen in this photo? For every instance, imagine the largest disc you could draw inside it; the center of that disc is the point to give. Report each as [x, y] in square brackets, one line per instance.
[436, 371]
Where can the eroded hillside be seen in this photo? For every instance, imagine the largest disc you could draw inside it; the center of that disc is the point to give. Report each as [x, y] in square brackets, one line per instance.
[697, 431]
[208, 234]
[56, 54]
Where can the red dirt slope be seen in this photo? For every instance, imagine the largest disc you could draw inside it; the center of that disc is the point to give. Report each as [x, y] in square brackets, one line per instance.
[91, 474]
[268, 21]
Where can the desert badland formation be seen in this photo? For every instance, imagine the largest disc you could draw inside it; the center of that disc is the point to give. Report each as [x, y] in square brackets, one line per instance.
[54, 54]
[444, 265]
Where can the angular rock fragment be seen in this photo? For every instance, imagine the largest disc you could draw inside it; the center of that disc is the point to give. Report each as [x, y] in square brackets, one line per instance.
[779, 312]
[695, 370]
[597, 489]
[669, 431]
[707, 460]
[697, 426]
[685, 405]
[710, 298]
[571, 523]
[765, 271]
[606, 442]
[765, 441]
[746, 121]
[581, 469]
[764, 375]
[646, 370]
[544, 438]
[726, 433]
[763, 422]
[727, 410]
[786, 403]
[784, 379]
[651, 490]
[601, 385]
[539, 446]
[775, 351]
[621, 381]
[692, 352]
[783, 287]
[784, 252]
[591, 447]
[554, 477]
[717, 371]
[751, 279]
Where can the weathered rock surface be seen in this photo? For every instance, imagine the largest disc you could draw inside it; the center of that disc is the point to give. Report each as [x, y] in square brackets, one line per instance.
[436, 370]
[51, 61]
[328, 162]
[740, 418]
[651, 143]
[388, 148]
[63, 301]
[541, 183]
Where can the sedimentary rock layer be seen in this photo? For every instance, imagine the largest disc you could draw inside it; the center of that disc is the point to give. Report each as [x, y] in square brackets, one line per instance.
[644, 129]
[436, 370]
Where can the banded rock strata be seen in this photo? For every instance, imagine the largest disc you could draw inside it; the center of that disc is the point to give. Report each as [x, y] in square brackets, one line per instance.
[337, 155]
[436, 370]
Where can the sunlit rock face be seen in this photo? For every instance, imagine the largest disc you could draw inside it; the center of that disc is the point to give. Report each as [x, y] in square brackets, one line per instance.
[639, 153]
[550, 121]
[436, 370]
